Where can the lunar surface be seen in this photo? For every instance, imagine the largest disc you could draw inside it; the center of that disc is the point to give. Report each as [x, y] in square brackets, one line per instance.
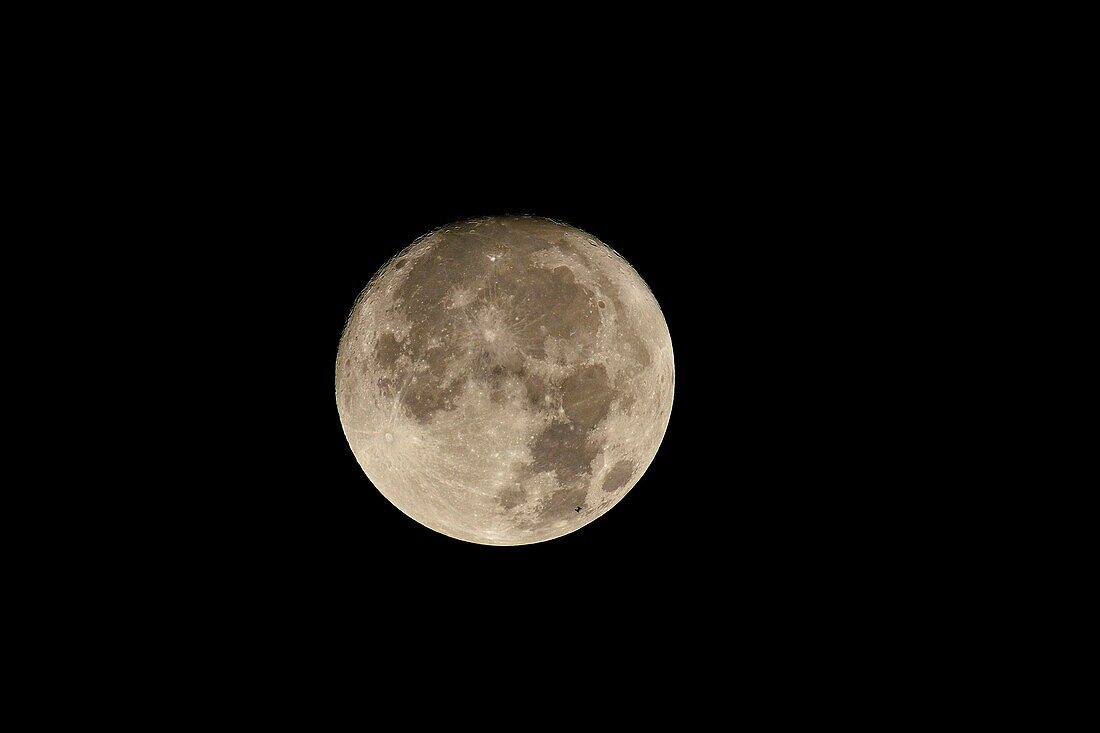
[505, 380]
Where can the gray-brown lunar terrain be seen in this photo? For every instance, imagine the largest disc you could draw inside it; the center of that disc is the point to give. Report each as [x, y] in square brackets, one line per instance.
[505, 380]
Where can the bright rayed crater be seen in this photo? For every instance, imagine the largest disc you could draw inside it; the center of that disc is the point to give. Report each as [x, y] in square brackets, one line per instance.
[505, 380]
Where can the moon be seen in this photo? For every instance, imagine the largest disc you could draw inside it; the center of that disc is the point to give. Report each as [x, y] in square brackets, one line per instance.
[505, 380]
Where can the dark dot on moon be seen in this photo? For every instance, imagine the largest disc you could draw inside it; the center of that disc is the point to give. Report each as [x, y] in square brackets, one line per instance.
[602, 304]
[560, 504]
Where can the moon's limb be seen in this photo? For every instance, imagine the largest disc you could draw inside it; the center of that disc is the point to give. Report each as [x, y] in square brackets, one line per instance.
[505, 380]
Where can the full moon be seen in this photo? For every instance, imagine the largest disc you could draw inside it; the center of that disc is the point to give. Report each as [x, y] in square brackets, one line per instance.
[505, 380]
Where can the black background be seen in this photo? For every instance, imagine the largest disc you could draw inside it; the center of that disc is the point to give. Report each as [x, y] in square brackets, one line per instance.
[648, 214]
[761, 244]
[738, 486]
[774, 204]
